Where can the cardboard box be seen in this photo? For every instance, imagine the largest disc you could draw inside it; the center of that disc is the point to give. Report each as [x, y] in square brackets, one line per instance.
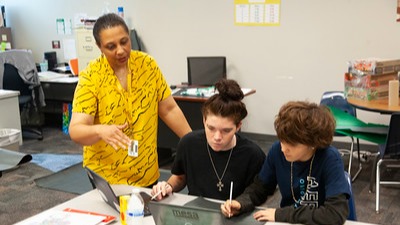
[374, 66]
[368, 87]
[389, 66]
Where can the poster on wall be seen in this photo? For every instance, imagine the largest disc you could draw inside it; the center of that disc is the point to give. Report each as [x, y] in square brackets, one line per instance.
[398, 11]
[257, 12]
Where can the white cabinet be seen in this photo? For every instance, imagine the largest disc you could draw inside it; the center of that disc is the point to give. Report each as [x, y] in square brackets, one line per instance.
[86, 48]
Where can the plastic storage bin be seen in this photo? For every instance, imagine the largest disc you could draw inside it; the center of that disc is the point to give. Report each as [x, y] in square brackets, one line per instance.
[9, 138]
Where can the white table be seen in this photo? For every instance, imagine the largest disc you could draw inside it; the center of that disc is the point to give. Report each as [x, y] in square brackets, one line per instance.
[9, 108]
[57, 77]
[92, 201]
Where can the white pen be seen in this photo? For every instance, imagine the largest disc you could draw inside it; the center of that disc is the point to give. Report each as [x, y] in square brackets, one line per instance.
[230, 196]
[230, 193]
[155, 195]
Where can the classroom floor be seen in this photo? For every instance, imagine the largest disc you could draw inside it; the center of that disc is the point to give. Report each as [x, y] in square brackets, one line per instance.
[20, 197]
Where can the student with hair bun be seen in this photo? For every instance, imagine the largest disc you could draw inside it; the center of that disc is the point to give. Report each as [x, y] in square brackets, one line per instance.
[208, 160]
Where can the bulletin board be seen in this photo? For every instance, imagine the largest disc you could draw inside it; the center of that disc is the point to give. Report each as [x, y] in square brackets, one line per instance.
[257, 12]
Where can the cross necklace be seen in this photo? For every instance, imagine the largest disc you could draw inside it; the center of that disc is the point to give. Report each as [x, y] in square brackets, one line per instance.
[220, 185]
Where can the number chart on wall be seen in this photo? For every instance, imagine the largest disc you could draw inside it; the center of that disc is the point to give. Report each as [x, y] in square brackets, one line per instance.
[257, 12]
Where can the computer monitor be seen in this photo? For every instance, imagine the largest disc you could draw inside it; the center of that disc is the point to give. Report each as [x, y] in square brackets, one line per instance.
[206, 70]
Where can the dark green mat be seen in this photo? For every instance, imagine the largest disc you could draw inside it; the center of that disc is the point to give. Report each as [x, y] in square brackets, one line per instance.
[72, 179]
[75, 180]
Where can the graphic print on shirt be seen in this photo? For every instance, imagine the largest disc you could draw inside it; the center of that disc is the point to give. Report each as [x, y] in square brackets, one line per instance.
[309, 196]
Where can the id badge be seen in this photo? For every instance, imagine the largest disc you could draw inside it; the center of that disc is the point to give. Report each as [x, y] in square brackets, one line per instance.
[133, 149]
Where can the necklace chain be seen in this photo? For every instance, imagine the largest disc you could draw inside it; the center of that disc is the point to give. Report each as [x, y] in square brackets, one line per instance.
[291, 178]
[220, 185]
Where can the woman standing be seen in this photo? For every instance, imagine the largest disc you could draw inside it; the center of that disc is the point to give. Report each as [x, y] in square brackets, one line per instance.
[116, 106]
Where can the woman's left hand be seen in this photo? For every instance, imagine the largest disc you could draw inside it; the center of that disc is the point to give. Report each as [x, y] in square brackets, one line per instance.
[265, 215]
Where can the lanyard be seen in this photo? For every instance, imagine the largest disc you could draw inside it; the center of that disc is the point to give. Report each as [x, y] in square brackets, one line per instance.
[125, 95]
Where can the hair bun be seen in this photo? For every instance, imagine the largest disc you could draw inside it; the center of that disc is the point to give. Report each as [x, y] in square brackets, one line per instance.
[229, 90]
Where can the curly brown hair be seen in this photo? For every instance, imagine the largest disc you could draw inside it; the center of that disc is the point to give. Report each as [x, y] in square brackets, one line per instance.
[227, 102]
[301, 122]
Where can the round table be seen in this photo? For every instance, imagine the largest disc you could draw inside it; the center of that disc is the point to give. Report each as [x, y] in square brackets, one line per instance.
[377, 105]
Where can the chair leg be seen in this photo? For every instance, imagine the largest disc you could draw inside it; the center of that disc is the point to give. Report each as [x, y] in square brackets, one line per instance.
[351, 156]
[359, 162]
[373, 173]
[36, 131]
[378, 181]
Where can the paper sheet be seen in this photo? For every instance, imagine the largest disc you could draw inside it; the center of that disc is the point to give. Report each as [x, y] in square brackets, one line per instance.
[64, 218]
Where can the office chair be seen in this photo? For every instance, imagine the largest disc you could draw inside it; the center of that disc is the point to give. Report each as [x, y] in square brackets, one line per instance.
[347, 124]
[352, 203]
[389, 155]
[136, 43]
[32, 118]
[337, 100]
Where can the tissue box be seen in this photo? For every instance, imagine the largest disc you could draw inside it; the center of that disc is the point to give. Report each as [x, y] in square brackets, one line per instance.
[367, 87]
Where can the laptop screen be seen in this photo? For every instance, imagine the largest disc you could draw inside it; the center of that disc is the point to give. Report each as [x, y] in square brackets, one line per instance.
[108, 195]
[165, 214]
[104, 189]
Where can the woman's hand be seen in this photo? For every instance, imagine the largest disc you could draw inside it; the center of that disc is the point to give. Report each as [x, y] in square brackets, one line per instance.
[114, 135]
[161, 189]
[265, 215]
[230, 209]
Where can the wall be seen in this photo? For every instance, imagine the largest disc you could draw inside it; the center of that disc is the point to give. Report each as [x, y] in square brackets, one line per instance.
[298, 60]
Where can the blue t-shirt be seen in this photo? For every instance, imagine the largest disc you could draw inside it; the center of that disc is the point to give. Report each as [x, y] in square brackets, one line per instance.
[327, 176]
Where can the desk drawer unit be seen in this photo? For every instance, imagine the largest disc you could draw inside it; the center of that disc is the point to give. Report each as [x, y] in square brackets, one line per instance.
[62, 92]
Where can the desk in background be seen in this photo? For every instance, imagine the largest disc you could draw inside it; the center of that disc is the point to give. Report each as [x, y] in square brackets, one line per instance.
[58, 90]
[92, 201]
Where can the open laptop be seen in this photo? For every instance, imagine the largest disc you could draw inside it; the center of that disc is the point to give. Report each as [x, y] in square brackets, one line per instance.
[165, 214]
[108, 194]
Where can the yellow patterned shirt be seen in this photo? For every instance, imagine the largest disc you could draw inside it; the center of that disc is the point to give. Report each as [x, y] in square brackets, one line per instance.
[100, 94]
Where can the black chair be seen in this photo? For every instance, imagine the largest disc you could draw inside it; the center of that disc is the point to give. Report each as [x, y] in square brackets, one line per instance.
[389, 155]
[352, 203]
[32, 118]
